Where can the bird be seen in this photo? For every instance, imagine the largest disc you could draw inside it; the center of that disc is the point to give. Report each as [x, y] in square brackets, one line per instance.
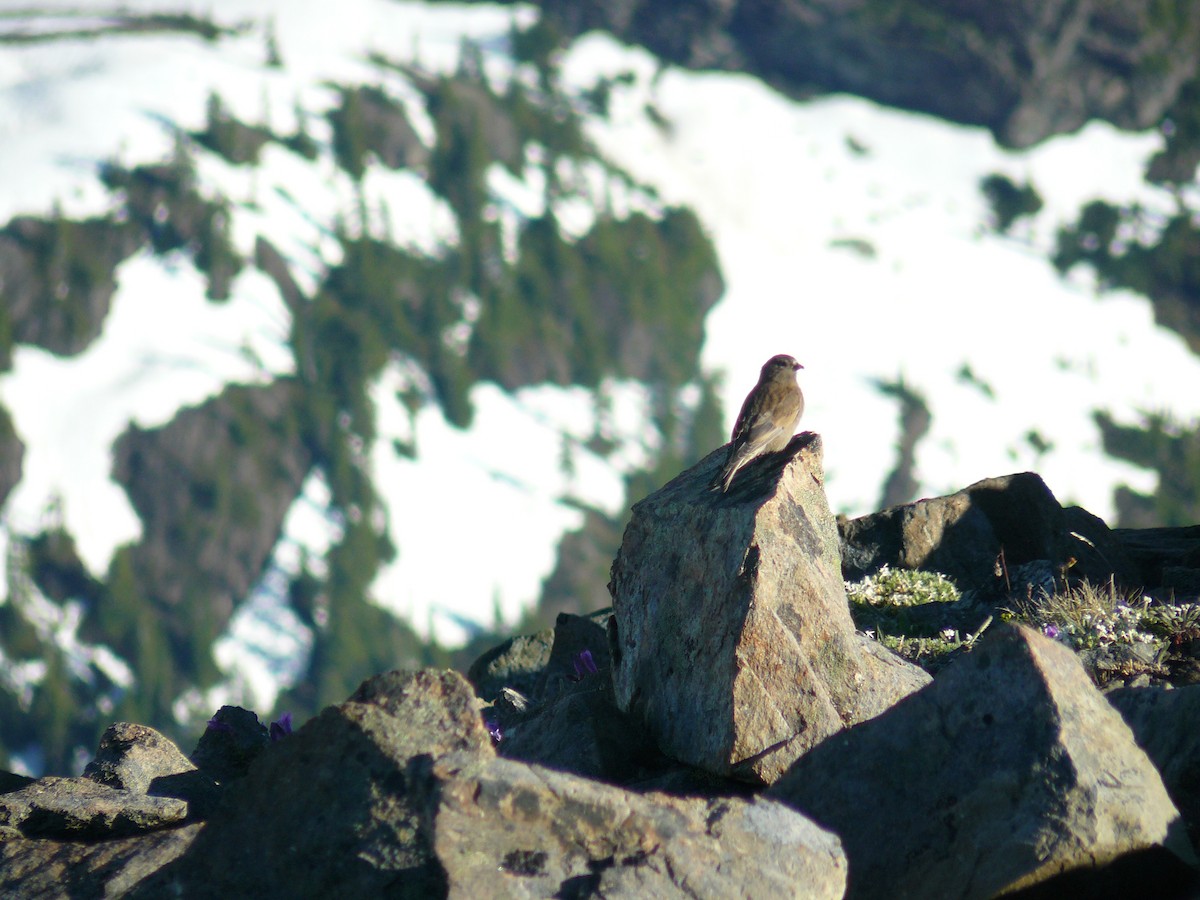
[768, 418]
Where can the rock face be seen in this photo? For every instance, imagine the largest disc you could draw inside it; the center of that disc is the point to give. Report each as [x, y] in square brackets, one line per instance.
[190, 482]
[81, 809]
[1007, 771]
[138, 759]
[344, 818]
[71, 264]
[733, 642]
[75, 869]
[1163, 724]
[12, 455]
[506, 829]
[1026, 71]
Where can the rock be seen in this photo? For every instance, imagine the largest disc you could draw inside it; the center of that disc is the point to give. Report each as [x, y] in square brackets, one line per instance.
[137, 758]
[1010, 769]
[329, 810]
[12, 451]
[73, 870]
[584, 733]
[527, 662]
[569, 720]
[230, 468]
[1168, 559]
[11, 781]
[733, 641]
[519, 663]
[505, 829]
[1163, 723]
[579, 653]
[232, 740]
[961, 535]
[1098, 552]
[59, 277]
[987, 536]
[131, 757]
[80, 809]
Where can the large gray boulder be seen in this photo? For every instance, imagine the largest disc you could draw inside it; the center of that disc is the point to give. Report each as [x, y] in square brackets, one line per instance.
[1007, 771]
[731, 635]
[506, 829]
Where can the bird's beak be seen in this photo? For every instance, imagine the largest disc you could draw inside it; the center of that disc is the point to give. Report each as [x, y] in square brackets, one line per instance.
[798, 366]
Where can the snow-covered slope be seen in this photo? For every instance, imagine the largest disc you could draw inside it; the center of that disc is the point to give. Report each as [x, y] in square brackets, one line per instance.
[780, 184]
[865, 263]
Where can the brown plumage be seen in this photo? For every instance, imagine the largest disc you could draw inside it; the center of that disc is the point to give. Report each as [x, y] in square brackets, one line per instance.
[768, 418]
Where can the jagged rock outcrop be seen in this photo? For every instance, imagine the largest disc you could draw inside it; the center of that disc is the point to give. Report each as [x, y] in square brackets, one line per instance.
[732, 640]
[1009, 773]
[1010, 769]
[1027, 70]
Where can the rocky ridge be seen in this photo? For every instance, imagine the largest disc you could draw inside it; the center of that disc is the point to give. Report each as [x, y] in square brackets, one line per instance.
[723, 730]
[1026, 71]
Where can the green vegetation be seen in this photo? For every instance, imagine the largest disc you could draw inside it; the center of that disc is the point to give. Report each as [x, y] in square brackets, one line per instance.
[224, 134]
[1170, 449]
[1087, 617]
[893, 605]
[165, 202]
[1008, 201]
[1118, 635]
[1133, 248]
[519, 304]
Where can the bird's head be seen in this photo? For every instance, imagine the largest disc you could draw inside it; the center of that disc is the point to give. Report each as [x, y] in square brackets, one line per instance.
[780, 363]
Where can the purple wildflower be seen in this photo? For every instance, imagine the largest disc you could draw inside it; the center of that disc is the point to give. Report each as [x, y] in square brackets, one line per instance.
[1050, 631]
[282, 728]
[584, 665]
[492, 724]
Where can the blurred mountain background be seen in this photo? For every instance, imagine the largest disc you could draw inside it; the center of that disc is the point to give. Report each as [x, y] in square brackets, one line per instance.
[336, 343]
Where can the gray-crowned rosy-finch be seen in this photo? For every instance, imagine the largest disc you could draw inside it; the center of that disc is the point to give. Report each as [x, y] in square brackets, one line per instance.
[768, 418]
